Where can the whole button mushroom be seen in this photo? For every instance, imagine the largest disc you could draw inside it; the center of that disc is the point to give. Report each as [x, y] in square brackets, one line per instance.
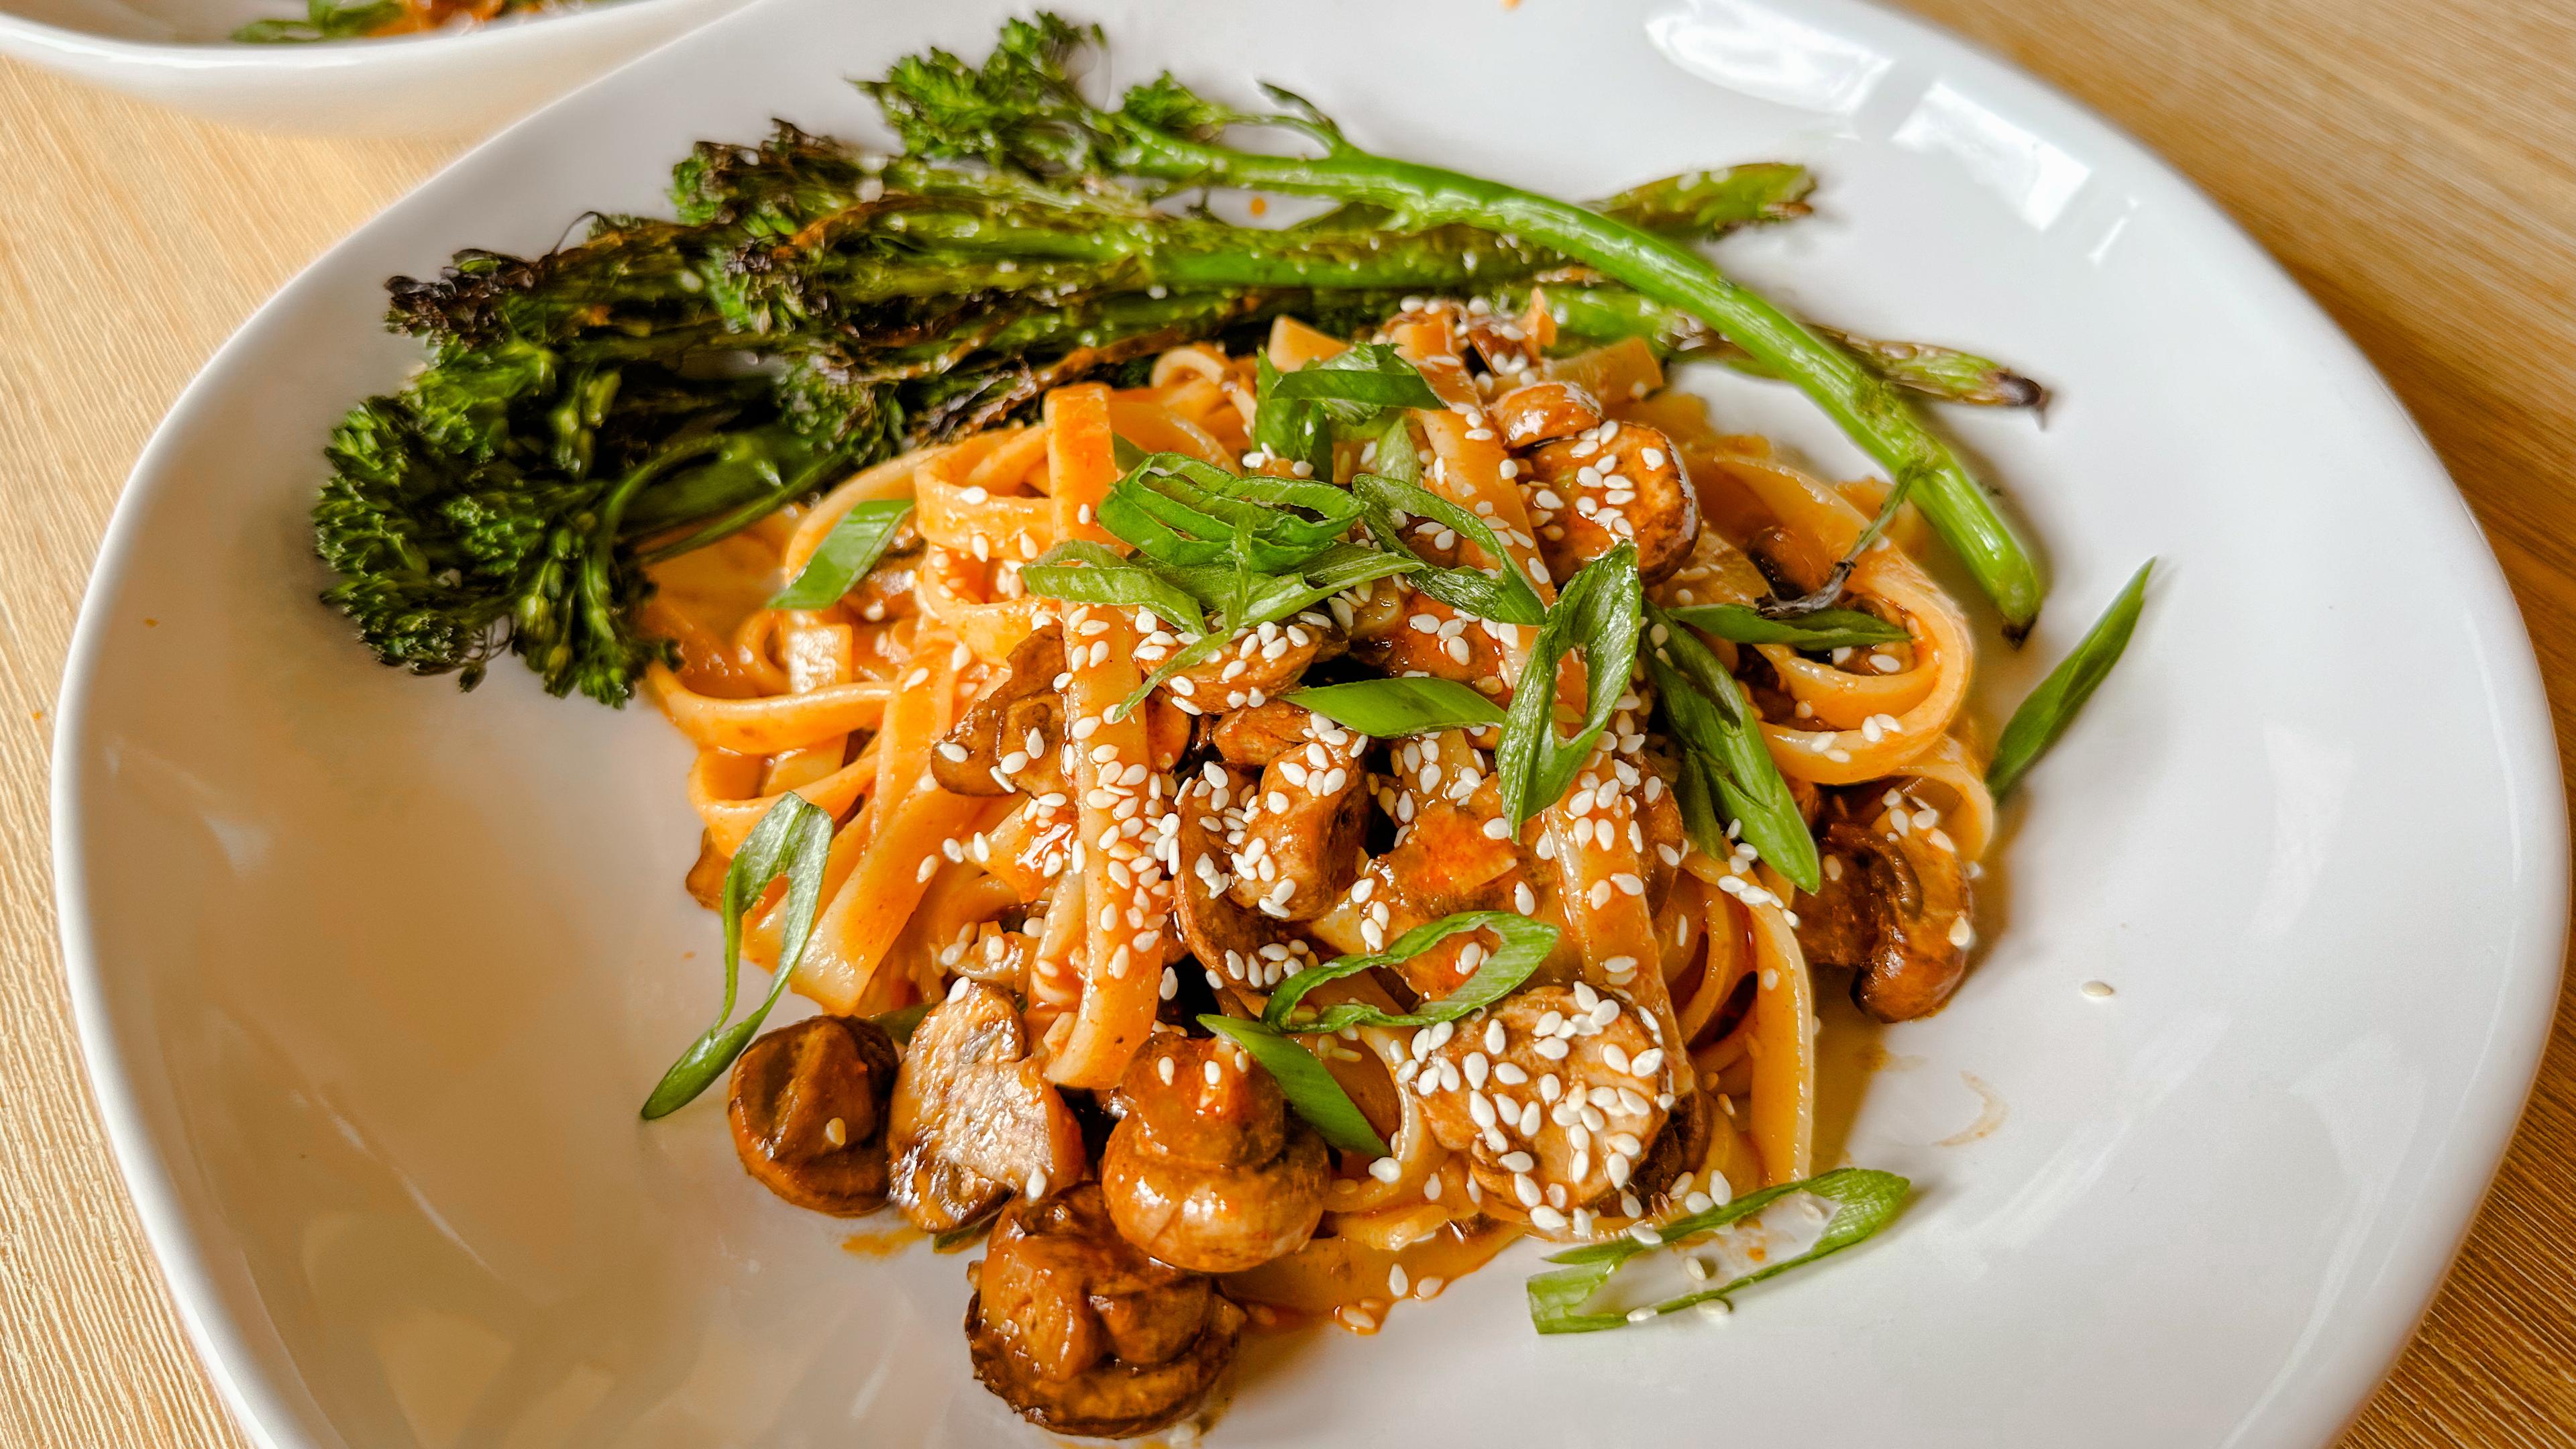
[1206, 1170]
[808, 1110]
[1081, 1332]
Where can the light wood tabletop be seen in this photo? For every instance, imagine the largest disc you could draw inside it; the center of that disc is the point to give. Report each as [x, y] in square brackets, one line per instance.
[2413, 162]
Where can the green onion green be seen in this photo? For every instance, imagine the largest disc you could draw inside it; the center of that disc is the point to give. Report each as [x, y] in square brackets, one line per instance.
[1706, 710]
[1388, 709]
[1864, 1201]
[1598, 614]
[1092, 573]
[846, 554]
[2052, 707]
[1504, 597]
[1310, 1089]
[792, 840]
[1525, 945]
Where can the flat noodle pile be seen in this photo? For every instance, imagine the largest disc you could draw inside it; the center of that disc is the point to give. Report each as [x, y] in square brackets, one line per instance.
[1064, 897]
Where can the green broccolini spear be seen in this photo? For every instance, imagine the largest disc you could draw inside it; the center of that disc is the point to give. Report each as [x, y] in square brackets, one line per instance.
[1021, 112]
[659, 384]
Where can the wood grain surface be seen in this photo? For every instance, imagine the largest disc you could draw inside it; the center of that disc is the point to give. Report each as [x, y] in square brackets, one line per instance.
[2412, 161]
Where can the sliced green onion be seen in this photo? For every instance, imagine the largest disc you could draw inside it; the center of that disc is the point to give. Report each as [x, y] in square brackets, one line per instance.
[1708, 713]
[1525, 944]
[1504, 597]
[846, 554]
[1310, 1089]
[1328, 573]
[1824, 629]
[1388, 709]
[2052, 707]
[1356, 385]
[1597, 613]
[1286, 428]
[1179, 510]
[1864, 1202]
[903, 1021]
[1093, 573]
[793, 839]
[1125, 455]
[1699, 810]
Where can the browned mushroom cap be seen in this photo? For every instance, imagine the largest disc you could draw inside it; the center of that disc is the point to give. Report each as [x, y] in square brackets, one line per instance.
[808, 1109]
[1082, 1333]
[1262, 664]
[1224, 936]
[1621, 480]
[1543, 412]
[1551, 1094]
[1297, 848]
[1408, 632]
[1008, 740]
[1206, 1170]
[1895, 908]
[973, 1119]
[1257, 735]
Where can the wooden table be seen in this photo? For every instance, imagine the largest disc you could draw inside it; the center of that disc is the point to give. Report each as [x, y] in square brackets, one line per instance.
[2413, 161]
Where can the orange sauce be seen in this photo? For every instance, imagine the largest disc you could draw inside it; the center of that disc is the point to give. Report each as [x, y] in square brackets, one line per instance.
[883, 1242]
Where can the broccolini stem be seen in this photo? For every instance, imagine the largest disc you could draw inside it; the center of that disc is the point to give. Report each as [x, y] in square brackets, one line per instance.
[1600, 314]
[1867, 409]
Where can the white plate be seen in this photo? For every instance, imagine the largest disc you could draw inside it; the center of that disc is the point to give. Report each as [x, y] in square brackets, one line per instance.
[372, 975]
[457, 81]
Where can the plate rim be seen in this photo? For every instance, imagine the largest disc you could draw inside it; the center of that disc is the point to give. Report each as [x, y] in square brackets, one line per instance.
[2319, 1396]
[46, 41]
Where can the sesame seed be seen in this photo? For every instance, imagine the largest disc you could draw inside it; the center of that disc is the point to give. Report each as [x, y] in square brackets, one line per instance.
[1386, 1169]
[2098, 990]
[836, 1132]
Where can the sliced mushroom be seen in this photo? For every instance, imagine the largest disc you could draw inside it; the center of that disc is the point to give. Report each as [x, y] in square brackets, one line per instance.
[1256, 735]
[1224, 936]
[1618, 481]
[1206, 1170]
[1297, 848]
[1894, 908]
[1543, 412]
[1008, 740]
[1082, 1333]
[1681, 1147]
[1413, 633]
[808, 1108]
[1261, 664]
[1551, 1094]
[1444, 863]
[974, 1120]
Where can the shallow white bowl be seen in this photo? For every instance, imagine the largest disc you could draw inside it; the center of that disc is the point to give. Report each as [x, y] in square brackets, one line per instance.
[457, 81]
[372, 975]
